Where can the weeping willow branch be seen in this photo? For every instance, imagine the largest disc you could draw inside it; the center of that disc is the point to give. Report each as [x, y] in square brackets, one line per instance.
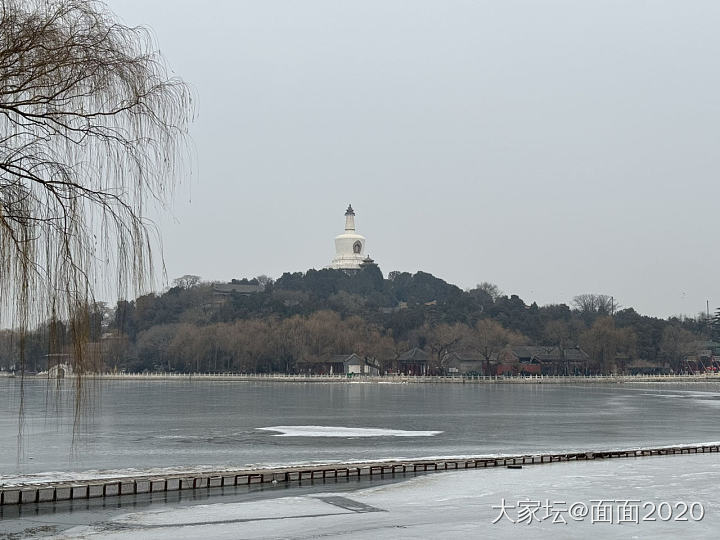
[92, 127]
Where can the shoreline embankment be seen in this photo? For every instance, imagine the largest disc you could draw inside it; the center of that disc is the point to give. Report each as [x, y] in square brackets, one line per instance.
[395, 379]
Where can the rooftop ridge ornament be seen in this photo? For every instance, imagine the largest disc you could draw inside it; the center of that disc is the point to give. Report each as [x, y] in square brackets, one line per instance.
[349, 211]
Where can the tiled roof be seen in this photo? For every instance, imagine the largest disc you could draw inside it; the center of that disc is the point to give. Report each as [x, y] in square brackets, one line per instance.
[414, 355]
[347, 358]
[464, 357]
[228, 288]
[549, 354]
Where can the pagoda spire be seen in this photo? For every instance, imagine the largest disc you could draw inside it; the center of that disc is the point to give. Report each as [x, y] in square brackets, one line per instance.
[349, 219]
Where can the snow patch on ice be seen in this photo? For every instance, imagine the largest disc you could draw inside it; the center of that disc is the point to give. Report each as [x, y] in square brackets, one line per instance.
[341, 431]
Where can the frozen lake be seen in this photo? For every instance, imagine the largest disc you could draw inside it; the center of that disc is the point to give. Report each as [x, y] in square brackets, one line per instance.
[156, 424]
[652, 497]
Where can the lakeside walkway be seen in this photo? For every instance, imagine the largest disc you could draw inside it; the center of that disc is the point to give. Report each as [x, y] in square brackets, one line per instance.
[403, 379]
[29, 493]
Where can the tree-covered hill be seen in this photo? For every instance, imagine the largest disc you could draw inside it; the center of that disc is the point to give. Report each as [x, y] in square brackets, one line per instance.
[301, 319]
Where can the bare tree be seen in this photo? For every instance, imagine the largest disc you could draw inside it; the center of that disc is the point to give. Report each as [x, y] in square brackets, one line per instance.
[676, 345]
[557, 333]
[91, 127]
[608, 345]
[492, 290]
[490, 337]
[371, 343]
[264, 281]
[188, 281]
[444, 339]
[601, 304]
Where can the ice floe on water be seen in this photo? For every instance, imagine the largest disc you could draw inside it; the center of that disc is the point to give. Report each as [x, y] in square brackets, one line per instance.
[341, 431]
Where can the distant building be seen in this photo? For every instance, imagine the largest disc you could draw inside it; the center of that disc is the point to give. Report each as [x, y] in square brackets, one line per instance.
[367, 262]
[413, 362]
[548, 360]
[356, 365]
[236, 287]
[705, 357]
[643, 367]
[338, 364]
[463, 363]
[349, 246]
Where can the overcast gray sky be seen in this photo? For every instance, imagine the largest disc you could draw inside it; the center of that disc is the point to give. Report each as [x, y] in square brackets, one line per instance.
[551, 147]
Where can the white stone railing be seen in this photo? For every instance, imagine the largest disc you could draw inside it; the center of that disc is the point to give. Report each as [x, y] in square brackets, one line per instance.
[310, 377]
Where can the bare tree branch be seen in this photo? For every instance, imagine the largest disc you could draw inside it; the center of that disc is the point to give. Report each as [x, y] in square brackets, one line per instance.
[91, 125]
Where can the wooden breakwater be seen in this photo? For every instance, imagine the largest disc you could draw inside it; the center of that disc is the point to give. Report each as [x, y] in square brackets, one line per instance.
[403, 379]
[111, 487]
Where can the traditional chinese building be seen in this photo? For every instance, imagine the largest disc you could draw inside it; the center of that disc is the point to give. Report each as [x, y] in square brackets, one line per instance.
[337, 364]
[413, 362]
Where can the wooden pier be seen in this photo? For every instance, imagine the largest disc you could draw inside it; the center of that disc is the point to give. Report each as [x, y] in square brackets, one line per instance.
[112, 487]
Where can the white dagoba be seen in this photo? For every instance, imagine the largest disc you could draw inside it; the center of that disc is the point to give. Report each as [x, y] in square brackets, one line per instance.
[349, 246]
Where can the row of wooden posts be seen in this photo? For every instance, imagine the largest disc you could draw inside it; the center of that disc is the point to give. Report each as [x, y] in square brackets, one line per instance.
[86, 489]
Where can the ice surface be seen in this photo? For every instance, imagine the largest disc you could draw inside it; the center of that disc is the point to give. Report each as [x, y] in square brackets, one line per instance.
[460, 504]
[474, 419]
[341, 431]
[289, 507]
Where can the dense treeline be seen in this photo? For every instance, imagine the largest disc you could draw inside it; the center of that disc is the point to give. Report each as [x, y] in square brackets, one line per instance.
[306, 317]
